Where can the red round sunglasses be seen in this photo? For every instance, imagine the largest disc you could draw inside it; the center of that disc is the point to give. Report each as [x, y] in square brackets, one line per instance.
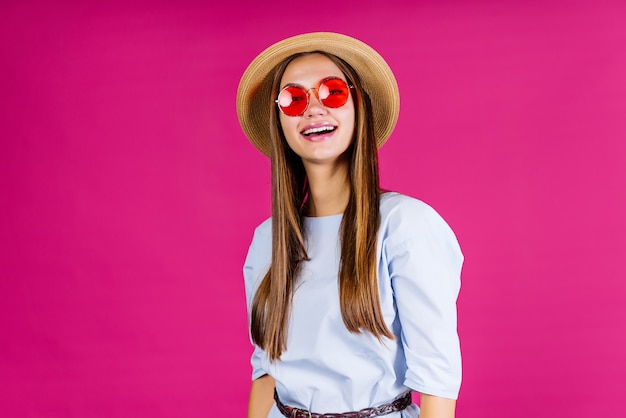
[293, 99]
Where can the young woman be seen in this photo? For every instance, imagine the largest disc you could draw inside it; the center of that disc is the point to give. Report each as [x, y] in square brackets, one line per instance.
[351, 291]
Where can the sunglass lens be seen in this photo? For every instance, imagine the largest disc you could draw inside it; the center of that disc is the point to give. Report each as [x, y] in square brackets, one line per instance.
[293, 100]
[333, 92]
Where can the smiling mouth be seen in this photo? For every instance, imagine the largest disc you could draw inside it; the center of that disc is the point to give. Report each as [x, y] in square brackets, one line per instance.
[321, 130]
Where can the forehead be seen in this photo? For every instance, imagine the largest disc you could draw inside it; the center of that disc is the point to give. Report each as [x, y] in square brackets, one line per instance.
[310, 69]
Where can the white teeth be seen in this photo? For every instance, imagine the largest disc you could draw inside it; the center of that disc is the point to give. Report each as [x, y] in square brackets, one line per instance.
[325, 128]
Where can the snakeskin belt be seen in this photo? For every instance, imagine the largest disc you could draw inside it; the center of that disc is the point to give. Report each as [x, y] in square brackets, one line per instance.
[396, 405]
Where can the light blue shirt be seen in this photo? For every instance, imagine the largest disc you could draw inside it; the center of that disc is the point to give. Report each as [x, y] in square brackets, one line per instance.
[326, 368]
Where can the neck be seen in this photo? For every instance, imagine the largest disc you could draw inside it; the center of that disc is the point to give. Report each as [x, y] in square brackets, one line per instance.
[329, 189]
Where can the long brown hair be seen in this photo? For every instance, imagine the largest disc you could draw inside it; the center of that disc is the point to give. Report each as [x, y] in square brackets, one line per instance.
[358, 281]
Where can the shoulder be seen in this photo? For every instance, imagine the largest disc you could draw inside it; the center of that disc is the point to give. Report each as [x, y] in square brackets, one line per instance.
[259, 253]
[261, 241]
[263, 231]
[405, 218]
[393, 205]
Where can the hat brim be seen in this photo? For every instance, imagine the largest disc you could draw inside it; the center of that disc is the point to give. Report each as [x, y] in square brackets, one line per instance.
[253, 94]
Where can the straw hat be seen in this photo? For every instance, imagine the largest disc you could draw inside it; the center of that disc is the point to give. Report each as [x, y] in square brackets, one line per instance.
[253, 94]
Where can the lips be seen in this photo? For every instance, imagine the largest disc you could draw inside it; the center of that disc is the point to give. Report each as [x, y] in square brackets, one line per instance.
[318, 130]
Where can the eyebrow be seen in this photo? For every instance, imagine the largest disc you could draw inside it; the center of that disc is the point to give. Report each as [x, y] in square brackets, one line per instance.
[317, 84]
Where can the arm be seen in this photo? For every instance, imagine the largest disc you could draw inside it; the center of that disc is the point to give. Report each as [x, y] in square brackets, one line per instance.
[261, 397]
[436, 407]
[424, 262]
[257, 261]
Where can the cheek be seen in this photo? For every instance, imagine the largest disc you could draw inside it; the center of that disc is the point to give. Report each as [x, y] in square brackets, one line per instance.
[349, 119]
[289, 129]
[287, 124]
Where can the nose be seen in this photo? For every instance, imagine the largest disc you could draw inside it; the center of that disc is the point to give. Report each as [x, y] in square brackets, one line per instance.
[315, 106]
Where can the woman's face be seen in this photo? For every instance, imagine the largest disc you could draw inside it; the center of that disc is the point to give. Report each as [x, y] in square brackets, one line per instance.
[321, 135]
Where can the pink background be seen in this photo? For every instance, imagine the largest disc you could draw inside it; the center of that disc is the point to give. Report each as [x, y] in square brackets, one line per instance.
[129, 196]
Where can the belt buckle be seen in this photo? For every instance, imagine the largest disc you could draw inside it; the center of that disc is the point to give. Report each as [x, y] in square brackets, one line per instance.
[295, 411]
